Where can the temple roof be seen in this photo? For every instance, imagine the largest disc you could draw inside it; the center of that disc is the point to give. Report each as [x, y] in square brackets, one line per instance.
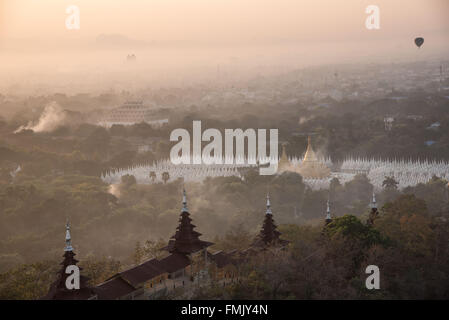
[143, 272]
[114, 289]
[58, 289]
[174, 262]
[269, 234]
[186, 239]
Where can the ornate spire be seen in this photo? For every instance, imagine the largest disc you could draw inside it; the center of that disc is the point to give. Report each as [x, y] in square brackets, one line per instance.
[373, 204]
[284, 164]
[328, 211]
[268, 235]
[184, 201]
[58, 289]
[268, 205]
[310, 154]
[374, 213]
[186, 240]
[311, 166]
[68, 238]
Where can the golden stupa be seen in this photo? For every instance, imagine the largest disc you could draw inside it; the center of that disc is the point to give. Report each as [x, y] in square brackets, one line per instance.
[284, 164]
[311, 167]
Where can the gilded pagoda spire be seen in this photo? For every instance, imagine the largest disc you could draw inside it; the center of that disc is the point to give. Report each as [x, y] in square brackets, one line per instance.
[268, 205]
[373, 213]
[311, 167]
[310, 155]
[328, 213]
[184, 201]
[373, 204]
[284, 164]
[58, 289]
[68, 238]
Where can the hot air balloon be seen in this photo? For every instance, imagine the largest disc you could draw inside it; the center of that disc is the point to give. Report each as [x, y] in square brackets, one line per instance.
[419, 42]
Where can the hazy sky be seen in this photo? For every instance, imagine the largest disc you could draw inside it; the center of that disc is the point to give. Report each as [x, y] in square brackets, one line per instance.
[224, 21]
[184, 39]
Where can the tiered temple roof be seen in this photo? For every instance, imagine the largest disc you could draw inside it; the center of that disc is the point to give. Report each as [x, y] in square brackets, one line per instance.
[186, 240]
[58, 289]
[268, 236]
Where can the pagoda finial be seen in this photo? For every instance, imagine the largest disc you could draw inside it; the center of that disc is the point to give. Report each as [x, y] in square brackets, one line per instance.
[328, 211]
[268, 204]
[373, 203]
[184, 201]
[68, 238]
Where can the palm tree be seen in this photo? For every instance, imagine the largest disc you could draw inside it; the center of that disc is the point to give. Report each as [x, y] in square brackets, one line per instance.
[152, 175]
[390, 183]
[165, 176]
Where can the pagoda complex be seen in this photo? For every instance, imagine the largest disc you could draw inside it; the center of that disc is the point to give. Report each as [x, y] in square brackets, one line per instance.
[188, 263]
[58, 289]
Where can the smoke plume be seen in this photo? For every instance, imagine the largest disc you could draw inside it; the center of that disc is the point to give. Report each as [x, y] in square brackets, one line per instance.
[51, 118]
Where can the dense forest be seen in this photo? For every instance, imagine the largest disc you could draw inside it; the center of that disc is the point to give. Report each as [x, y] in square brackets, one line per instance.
[410, 246]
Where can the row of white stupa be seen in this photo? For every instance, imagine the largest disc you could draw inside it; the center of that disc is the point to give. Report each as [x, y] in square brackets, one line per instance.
[406, 173]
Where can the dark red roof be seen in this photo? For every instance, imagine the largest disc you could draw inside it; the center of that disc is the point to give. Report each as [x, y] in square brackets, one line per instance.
[186, 239]
[58, 290]
[268, 236]
[143, 272]
[174, 262]
[127, 281]
[186, 247]
[114, 289]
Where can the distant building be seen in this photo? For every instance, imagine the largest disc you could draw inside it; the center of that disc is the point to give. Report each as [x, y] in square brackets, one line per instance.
[434, 126]
[408, 172]
[131, 57]
[130, 113]
[414, 117]
[388, 123]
